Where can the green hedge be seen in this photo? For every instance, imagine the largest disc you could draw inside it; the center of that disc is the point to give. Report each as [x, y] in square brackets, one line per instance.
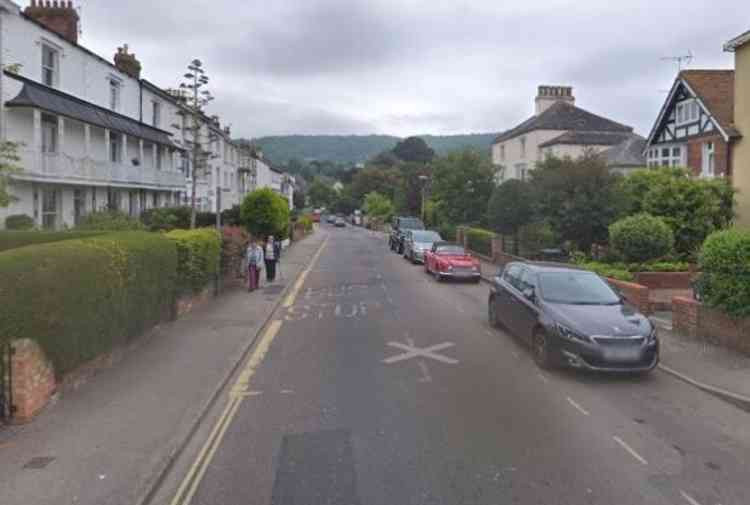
[109, 221]
[80, 298]
[479, 240]
[614, 271]
[15, 239]
[641, 237]
[198, 257]
[19, 222]
[725, 263]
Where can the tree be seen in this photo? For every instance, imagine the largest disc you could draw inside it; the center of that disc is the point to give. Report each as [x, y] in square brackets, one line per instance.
[321, 194]
[511, 207]
[345, 202]
[378, 207]
[579, 198]
[264, 212]
[385, 159]
[414, 149]
[462, 183]
[412, 185]
[375, 179]
[299, 199]
[8, 166]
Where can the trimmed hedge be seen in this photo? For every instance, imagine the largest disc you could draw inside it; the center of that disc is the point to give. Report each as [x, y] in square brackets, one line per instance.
[198, 254]
[641, 237]
[110, 220]
[80, 298]
[19, 222]
[15, 239]
[725, 262]
[479, 240]
[613, 271]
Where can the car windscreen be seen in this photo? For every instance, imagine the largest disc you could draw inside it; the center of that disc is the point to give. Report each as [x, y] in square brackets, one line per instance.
[411, 224]
[576, 288]
[424, 236]
[450, 249]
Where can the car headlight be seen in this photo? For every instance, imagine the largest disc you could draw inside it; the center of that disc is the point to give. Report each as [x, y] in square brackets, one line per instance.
[569, 334]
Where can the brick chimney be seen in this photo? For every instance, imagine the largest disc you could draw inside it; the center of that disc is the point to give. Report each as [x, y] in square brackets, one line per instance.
[549, 95]
[127, 63]
[60, 17]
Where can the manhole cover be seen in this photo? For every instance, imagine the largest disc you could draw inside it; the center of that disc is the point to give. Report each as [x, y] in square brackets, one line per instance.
[273, 290]
[38, 463]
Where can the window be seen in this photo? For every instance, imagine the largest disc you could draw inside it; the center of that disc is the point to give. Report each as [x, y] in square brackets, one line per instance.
[511, 274]
[115, 145]
[50, 206]
[114, 199]
[687, 111]
[502, 152]
[114, 94]
[707, 169]
[49, 133]
[50, 66]
[158, 157]
[156, 116]
[79, 205]
[523, 147]
[666, 156]
[521, 171]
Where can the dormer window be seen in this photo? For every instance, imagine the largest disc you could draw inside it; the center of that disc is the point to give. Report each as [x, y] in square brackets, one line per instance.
[687, 112]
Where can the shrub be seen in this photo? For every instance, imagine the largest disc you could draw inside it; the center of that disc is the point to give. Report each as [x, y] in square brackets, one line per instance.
[614, 271]
[110, 220]
[534, 237]
[660, 266]
[19, 222]
[265, 213]
[80, 298]
[15, 239]
[307, 223]
[641, 237]
[231, 217]
[166, 218]
[725, 262]
[479, 240]
[198, 253]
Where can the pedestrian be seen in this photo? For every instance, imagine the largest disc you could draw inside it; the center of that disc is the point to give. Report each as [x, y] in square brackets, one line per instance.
[271, 256]
[254, 264]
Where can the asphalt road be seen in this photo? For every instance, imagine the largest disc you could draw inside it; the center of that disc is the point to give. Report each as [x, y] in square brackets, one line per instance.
[380, 386]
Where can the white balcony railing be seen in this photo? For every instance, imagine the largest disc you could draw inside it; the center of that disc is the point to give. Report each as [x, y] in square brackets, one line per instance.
[60, 166]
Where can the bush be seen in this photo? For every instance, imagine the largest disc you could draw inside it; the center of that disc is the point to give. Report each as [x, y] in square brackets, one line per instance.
[265, 213]
[725, 263]
[231, 217]
[479, 240]
[307, 223]
[660, 266]
[166, 218]
[198, 253]
[534, 237]
[19, 222]
[614, 271]
[15, 239]
[641, 237]
[80, 298]
[110, 220]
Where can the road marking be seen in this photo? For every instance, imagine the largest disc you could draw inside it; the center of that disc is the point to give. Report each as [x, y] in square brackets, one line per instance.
[301, 279]
[630, 450]
[287, 392]
[426, 352]
[544, 379]
[426, 377]
[578, 407]
[689, 499]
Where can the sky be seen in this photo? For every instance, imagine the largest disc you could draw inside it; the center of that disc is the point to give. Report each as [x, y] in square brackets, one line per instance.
[406, 67]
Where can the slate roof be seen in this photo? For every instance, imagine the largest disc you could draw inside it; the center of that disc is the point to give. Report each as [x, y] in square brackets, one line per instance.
[564, 116]
[715, 88]
[628, 153]
[587, 138]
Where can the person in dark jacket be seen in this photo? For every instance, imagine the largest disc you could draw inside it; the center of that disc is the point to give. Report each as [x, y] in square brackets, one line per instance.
[272, 251]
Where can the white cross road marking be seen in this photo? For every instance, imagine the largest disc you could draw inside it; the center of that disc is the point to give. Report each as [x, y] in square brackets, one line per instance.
[426, 352]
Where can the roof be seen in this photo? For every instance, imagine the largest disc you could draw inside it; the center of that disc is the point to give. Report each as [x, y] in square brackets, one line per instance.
[715, 88]
[628, 153]
[587, 138]
[564, 116]
[34, 94]
[738, 41]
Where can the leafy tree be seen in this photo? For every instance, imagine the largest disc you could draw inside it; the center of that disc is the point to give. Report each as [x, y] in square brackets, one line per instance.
[385, 159]
[511, 207]
[321, 194]
[8, 166]
[410, 194]
[379, 180]
[462, 183]
[264, 213]
[578, 197]
[378, 207]
[345, 202]
[414, 149]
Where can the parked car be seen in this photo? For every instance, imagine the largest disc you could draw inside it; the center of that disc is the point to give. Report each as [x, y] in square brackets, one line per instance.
[399, 227]
[331, 219]
[417, 242]
[451, 261]
[340, 223]
[572, 317]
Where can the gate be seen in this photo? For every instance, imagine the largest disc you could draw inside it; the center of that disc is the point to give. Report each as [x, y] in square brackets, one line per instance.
[6, 402]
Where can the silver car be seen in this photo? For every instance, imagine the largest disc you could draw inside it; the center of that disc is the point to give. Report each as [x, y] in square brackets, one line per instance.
[417, 242]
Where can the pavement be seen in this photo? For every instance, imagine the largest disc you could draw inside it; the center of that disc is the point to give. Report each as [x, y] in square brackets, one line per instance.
[112, 439]
[375, 384]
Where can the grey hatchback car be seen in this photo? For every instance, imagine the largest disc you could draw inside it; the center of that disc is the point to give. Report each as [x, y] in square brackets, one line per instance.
[572, 317]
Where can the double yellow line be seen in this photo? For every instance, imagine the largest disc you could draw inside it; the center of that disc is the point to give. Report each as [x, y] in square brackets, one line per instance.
[237, 393]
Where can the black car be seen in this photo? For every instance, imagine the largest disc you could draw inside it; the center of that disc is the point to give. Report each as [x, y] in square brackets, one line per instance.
[572, 317]
[399, 227]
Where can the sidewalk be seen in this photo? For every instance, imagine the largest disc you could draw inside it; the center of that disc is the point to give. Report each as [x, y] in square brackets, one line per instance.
[110, 439]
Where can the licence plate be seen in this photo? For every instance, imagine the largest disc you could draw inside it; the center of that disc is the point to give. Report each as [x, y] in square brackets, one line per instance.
[622, 354]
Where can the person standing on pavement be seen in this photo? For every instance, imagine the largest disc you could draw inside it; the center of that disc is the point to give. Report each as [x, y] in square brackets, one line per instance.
[270, 254]
[254, 264]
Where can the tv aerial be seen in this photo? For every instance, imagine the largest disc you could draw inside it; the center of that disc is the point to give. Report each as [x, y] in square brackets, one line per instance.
[680, 59]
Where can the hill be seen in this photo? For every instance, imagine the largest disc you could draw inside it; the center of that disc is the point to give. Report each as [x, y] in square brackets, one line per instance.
[357, 148]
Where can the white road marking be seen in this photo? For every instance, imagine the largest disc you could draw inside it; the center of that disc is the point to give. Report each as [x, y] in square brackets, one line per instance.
[426, 352]
[287, 392]
[426, 377]
[544, 379]
[578, 407]
[630, 450]
[689, 499]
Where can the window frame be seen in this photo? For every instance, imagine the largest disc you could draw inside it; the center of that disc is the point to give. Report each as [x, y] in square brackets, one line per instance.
[55, 68]
[114, 85]
[155, 113]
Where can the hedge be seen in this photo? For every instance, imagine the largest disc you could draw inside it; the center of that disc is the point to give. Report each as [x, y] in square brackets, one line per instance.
[80, 298]
[641, 237]
[725, 263]
[110, 220]
[613, 271]
[19, 222]
[197, 257]
[479, 240]
[15, 239]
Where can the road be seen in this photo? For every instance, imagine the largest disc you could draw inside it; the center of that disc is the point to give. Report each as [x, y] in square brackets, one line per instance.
[379, 386]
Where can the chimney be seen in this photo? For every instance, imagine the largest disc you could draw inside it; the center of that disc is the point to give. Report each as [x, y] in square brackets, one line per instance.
[60, 17]
[127, 63]
[549, 95]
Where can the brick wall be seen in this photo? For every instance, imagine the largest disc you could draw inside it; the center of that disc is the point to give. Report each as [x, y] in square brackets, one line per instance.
[685, 316]
[637, 295]
[695, 154]
[33, 380]
[694, 319]
[664, 280]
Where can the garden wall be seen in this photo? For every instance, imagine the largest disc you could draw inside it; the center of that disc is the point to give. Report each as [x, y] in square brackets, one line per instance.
[694, 319]
[664, 280]
[636, 294]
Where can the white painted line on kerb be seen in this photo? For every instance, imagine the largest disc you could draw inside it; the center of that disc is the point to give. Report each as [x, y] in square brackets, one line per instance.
[630, 450]
[578, 407]
[689, 499]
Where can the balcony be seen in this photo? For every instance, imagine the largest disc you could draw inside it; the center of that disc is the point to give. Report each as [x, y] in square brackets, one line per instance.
[62, 168]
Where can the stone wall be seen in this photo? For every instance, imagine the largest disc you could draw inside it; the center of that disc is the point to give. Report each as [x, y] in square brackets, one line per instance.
[694, 319]
[32, 380]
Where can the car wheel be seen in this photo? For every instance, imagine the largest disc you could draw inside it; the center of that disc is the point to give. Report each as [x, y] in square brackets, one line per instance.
[540, 347]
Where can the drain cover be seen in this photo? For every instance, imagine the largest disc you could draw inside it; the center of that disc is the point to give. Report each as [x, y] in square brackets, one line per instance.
[38, 463]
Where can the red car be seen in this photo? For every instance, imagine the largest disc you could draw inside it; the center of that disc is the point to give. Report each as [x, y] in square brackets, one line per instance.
[451, 261]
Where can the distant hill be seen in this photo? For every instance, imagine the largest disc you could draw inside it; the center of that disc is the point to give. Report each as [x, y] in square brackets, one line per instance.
[357, 148]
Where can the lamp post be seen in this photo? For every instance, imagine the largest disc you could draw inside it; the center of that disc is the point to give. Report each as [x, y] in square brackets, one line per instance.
[424, 179]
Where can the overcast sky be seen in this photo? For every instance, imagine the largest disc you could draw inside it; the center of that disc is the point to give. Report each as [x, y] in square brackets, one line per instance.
[407, 67]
